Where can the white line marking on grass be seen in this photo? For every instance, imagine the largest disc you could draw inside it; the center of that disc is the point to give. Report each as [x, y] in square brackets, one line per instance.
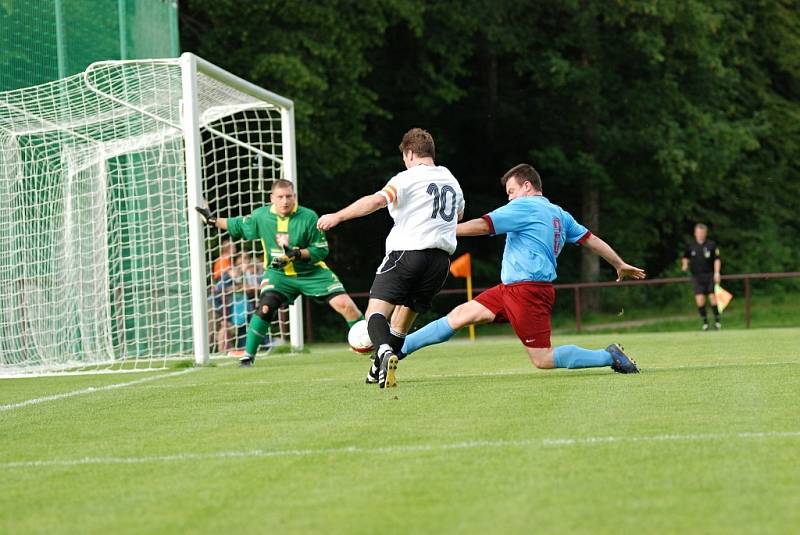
[75, 373]
[410, 448]
[90, 390]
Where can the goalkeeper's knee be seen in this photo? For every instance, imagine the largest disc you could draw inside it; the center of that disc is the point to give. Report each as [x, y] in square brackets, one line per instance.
[268, 305]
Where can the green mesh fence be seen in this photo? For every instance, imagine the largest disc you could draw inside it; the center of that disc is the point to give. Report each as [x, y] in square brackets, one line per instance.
[43, 40]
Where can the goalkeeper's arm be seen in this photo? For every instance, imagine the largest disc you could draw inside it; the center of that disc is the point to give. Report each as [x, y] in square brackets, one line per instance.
[211, 219]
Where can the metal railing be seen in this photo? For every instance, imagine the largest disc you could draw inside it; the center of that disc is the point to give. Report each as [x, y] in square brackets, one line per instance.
[578, 287]
[746, 277]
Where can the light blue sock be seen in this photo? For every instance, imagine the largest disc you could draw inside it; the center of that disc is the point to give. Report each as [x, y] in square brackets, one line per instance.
[578, 357]
[435, 332]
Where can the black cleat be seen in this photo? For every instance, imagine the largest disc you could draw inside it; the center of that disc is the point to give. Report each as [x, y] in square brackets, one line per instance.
[622, 362]
[247, 362]
[372, 373]
[387, 370]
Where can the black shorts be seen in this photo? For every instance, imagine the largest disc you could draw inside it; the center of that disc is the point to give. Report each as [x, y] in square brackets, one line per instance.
[411, 278]
[703, 283]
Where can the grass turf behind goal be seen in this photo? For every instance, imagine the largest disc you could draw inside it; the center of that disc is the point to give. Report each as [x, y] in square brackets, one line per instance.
[474, 440]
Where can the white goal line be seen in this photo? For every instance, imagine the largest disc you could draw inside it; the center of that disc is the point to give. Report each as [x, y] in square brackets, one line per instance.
[410, 448]
[90, 390]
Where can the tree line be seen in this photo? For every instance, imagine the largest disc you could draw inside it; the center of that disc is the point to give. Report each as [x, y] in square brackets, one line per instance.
[643, 117]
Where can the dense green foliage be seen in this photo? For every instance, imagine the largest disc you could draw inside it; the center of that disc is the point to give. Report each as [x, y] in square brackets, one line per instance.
[643, 117]
[473, 440]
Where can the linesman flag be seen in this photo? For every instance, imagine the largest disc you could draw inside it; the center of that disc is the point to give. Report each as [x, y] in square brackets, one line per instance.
[723, 297]
[462, 267]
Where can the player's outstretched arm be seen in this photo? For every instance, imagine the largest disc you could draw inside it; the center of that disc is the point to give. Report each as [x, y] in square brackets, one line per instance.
[473, 227]
[363, 206]
[604, 250]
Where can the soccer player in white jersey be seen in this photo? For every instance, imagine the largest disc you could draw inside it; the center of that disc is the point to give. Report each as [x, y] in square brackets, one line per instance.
[426, 203]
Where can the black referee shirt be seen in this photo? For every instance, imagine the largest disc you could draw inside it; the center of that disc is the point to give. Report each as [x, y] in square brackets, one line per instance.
[701, 257]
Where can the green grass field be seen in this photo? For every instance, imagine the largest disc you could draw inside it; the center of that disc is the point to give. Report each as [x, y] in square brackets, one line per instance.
[474, 440]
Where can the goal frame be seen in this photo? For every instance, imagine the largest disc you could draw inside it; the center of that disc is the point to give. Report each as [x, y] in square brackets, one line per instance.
[191, 65]
[113, 267]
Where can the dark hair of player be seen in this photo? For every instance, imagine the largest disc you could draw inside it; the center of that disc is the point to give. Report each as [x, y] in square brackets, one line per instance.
[523, 173]
[418, 141]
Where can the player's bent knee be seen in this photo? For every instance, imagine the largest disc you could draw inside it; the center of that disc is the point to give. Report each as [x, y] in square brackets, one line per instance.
[469, 313]
[268, 305]
[542, 358]
[343, 304]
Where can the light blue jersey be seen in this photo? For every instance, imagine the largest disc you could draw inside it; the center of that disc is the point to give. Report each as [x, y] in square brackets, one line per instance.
[536, 231]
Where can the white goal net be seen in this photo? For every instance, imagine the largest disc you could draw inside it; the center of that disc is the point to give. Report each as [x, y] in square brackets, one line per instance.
[104, 264]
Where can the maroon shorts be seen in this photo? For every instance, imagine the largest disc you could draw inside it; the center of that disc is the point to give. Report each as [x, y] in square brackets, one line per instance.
[526, 305]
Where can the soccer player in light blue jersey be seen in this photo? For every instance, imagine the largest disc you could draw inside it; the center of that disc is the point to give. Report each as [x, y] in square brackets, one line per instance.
[536, 231]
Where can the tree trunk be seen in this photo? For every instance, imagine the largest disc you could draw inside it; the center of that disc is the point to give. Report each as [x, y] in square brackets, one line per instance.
[590, 262]
[590, 204]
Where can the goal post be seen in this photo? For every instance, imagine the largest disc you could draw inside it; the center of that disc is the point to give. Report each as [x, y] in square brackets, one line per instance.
[191, 65]
[108, 265]
[190, 120]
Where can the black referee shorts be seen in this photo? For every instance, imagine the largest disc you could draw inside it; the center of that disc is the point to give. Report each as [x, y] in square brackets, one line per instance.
[703, 283]
[411, 278]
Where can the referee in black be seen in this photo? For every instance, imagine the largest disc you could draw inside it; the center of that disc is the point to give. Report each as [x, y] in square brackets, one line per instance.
[702, 260]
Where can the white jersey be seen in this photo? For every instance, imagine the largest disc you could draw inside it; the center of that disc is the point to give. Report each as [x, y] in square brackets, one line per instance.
[425, 202]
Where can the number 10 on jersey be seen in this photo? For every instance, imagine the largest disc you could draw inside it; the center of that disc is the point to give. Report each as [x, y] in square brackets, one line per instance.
[440, 201]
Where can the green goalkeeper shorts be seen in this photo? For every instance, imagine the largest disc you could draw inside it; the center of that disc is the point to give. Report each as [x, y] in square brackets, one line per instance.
[321, 284]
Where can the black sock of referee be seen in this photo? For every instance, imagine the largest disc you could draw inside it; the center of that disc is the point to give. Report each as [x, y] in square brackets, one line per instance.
[703, 314]
[715, 310]
[396, 341]
[378, 329]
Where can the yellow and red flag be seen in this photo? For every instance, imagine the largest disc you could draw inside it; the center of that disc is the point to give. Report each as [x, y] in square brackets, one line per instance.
[723, 297]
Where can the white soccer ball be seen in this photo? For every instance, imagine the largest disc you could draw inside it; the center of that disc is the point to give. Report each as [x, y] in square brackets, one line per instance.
[358, 338]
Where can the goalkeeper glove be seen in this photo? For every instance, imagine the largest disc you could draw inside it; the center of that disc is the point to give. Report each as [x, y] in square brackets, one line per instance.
[290, 255]
[206, 215]
[279, 262]
[293, 253]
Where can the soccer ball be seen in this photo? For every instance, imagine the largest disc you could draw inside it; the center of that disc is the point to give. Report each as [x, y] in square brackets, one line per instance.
[358, 338]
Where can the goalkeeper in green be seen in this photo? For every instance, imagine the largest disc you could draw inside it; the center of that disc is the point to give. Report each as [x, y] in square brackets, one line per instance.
[294, 251]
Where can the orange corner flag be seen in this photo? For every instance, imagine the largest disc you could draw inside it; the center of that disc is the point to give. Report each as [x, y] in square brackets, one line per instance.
[462, 266]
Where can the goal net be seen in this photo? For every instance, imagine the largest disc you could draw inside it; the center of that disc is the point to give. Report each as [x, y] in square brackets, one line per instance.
[105, 264]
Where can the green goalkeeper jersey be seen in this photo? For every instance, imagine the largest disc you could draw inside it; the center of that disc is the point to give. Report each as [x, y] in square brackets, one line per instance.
[298, 229]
